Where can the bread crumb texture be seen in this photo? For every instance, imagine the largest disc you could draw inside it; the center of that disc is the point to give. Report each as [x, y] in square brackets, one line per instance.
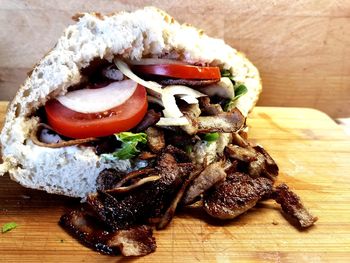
[147, 32]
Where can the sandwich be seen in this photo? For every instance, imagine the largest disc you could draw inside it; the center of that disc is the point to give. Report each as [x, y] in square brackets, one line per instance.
[92, 45]
[137, 114]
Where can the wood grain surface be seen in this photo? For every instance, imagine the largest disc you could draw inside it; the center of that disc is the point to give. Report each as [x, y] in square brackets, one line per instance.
[301, 47]
[313, 155]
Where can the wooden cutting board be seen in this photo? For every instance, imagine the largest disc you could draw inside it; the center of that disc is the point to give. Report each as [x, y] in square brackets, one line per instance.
[313, 154]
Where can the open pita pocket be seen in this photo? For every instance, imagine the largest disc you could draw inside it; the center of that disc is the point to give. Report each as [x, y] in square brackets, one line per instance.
[148, 32]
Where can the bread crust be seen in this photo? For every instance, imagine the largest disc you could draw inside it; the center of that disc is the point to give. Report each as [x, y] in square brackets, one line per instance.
[89, 38]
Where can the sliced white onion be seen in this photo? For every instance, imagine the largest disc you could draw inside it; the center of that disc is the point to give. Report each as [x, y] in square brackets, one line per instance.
[181, 121]
[189, 99]
[99, 100]
[183, 90]
[168, 98]
[155, 61]
[171, 110]
[124, 68]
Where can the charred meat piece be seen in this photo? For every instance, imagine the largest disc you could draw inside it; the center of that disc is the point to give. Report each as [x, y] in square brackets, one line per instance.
[150, 200]
[138, 183]
[257, 167]
[212, 110]
[150, 119]
[155, 139]
[237, 139]
[134, 174]
[88, 231]
[109, 178]
[191, 112]
[223, 122]
[169, 213]
[271, 168]
[187, 82]
[292, 206]
[241, 154]
[210, 176]
[179, 155]
[236, 195]
[180, 139]
[209, 109]
[135, 241]
[258, 160]
[146, 155]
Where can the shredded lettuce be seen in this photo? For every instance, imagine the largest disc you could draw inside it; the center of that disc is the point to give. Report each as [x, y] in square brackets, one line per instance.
[8, 227]
[131, 144]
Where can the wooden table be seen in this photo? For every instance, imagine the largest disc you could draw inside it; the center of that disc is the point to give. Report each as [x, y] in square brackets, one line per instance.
[313, 154]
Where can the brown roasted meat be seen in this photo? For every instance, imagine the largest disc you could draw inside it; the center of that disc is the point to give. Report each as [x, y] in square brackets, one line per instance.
[108, 179]
[292, 206]
[187, 82]
[257, 160]
[120, 211]
[150, 119]
[209, 109]
[222, 122]
[135, 241]
[191, 112]
[155, 139]
[210, 176]
[236, 195]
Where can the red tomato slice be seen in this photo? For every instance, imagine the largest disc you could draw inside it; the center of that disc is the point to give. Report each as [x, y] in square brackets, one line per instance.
[179, 71]
[84, 125]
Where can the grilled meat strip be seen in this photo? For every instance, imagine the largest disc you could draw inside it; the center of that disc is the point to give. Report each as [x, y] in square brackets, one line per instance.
[270, 168]
[292, 206]
[150, 119]
[236, 195]
[169, 213]
[136, 241]
[209, 109]
[222, 122]
[191, 112]
[210, 176]
[187, 82]
[259, 162]
[155, 139]
[109, 178]
[120, 211]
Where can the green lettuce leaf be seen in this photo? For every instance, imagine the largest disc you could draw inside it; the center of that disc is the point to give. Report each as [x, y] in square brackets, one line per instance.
[8, 227]
[131, 144]
[240, 90]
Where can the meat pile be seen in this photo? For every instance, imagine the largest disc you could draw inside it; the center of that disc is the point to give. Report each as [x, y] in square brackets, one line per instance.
[225, 178]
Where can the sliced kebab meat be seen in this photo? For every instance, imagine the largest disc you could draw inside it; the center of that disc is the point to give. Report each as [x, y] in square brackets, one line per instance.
[223, 122]
[135, 241]
[120, 211]
[293, 206]
[155, 139]
[236, 195]
[210, 176]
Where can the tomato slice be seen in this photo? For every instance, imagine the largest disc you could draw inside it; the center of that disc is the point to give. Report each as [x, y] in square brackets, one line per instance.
[84, 125]
[179, 71]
